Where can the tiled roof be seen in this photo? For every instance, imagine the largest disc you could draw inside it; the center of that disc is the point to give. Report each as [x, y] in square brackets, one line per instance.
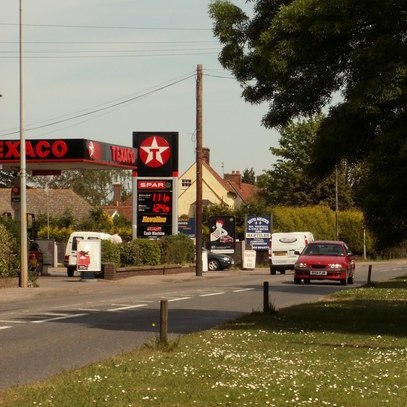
[56, 202]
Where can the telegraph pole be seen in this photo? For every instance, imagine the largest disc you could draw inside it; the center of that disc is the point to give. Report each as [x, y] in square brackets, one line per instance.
[198, 202]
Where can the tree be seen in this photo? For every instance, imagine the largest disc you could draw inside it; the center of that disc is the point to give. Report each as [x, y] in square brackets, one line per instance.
[7, 179]
[303, 56]
[288, 182]
[93, 185]
[249, 176]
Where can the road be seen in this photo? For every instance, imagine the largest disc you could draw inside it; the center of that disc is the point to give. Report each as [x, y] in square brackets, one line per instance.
[44, 335]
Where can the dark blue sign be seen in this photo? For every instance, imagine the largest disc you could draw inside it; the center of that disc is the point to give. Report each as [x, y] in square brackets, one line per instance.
[187, 227]
[258, 232]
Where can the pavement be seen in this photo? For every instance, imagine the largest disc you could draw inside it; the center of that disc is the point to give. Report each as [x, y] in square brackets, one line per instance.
[55, 281]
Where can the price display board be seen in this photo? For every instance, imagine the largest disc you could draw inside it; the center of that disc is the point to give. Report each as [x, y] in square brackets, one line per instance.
[154, 208]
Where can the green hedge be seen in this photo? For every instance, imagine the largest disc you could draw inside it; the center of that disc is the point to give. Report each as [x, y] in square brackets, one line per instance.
[177, 249]
[321, 221]
[9, 263]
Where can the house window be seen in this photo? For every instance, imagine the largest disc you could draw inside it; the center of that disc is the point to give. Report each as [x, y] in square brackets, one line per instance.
[186, 183]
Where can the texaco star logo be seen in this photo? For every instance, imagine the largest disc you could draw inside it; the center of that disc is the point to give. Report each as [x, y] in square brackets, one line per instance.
[154, 151]
[91, 149]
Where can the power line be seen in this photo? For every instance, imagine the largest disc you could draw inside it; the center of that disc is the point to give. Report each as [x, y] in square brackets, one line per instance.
[111, 27]
[111, 106]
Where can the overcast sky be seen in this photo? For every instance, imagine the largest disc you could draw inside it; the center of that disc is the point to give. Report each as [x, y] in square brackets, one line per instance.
[101, 69]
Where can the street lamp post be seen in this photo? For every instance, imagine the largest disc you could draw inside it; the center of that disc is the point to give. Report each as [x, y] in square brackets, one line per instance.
[23, 173]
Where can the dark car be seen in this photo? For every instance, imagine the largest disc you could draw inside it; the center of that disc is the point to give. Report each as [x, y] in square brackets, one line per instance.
[325, 260]
[218, 261]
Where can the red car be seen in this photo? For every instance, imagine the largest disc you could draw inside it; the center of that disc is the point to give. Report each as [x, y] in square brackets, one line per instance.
[325, 260]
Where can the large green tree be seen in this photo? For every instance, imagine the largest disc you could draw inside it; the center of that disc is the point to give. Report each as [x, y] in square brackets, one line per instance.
[347, 56]
[288, 182]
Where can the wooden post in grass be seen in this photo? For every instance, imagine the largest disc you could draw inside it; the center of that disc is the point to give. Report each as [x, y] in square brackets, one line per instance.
[266, 305]
[164, 321]
[369, 274]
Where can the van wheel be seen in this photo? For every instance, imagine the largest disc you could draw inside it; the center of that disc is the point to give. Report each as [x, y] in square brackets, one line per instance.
[272, 271]
[70, 271]
[282, 271]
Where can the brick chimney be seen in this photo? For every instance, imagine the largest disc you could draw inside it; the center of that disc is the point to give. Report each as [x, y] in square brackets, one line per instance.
[117, 194]
[234, 177]
[206, 154]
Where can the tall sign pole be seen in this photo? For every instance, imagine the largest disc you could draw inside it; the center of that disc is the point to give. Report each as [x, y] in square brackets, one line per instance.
[198, 206]
[23, 172]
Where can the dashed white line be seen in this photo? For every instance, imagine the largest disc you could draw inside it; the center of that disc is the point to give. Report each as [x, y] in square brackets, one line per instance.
[179, 299]
[5, 327]
[127, 307]
[40, 321]
[212, 294]
[10, 321]
[243, 289]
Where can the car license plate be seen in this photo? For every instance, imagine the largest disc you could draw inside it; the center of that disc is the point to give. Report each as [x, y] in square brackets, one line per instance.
[318, 273]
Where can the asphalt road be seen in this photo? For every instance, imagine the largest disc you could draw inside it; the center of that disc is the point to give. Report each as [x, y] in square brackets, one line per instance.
[88, 322]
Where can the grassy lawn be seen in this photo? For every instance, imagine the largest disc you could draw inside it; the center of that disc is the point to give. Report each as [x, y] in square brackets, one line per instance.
[348, 350]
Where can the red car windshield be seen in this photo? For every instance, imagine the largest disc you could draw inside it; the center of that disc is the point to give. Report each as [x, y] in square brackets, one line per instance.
[325, 249]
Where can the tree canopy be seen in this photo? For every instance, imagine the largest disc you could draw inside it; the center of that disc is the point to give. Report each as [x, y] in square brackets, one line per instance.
[288, 182]
[345, 56]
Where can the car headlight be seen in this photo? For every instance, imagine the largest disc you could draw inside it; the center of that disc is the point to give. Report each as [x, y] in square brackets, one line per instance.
[335, 266]
[301, 265]
[225, 258]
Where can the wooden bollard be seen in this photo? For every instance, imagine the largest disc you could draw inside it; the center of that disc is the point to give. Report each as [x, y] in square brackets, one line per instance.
[164, 321]
[266, 304]
[369, 274]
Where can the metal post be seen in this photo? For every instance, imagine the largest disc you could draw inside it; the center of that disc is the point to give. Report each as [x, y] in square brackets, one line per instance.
[164, 321]
[23, 172]
[266, 304]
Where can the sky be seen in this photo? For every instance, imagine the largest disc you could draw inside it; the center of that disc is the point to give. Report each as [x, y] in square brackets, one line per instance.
[101, 69]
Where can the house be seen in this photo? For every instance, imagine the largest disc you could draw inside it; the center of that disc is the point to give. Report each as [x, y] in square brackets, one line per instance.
[54, 202]
[229, 190]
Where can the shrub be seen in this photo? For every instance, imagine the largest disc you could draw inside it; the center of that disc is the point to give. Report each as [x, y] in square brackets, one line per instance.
[8, 257]
[110, 252]
[139, 252]
[177, 249]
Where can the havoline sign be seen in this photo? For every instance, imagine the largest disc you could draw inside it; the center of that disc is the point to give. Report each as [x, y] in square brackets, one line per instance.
[154, 208]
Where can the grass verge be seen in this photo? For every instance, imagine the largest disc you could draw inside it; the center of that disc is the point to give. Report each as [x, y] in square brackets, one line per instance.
[348, 350]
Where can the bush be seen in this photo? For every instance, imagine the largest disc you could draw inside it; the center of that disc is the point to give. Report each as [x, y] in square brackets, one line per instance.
[110, 252]
[9, 263]
[140, 252]
[177, 249]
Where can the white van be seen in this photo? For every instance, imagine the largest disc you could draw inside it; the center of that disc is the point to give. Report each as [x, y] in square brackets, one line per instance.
[70, 260]
[282, 248]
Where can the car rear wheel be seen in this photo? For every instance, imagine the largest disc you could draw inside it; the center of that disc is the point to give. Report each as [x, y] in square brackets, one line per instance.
[213, 265]
[297, 281]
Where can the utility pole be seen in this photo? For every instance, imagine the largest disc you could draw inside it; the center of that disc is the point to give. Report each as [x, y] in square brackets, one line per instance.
[336, 204]
[198, 201]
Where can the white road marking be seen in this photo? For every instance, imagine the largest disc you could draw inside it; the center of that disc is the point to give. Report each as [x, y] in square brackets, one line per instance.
[10, 321]
[243, 289]
[127, 307]
[40, 321]
[211, 294]
[179, 299]
[5, 327]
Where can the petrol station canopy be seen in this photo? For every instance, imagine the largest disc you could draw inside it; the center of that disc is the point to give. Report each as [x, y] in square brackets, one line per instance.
[49, 155]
